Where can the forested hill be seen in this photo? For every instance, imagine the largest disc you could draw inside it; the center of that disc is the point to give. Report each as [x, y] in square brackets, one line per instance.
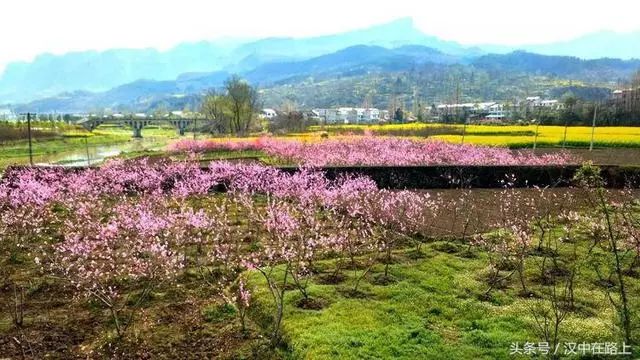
[598, 70]
[350, 75]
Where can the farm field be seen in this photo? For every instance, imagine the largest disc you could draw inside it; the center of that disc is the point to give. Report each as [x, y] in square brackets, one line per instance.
[390, 151]
[613, 145]
[244, 261]
[71, 144]
[514, 136]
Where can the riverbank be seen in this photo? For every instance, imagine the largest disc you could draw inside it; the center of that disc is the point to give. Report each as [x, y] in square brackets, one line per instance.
[75, 148]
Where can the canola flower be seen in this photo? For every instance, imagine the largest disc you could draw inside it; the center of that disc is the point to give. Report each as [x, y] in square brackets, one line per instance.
[514, 136]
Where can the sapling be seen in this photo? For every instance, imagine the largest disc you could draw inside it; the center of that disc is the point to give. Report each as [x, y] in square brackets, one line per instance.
[17, 311]
[242, 299]
[105, 247]
[549, 315]
[501, 245]
[609, 219]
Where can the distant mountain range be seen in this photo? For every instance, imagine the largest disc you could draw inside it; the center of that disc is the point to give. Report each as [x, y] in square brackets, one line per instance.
[49, 74]
[144, 78]
[516, 72]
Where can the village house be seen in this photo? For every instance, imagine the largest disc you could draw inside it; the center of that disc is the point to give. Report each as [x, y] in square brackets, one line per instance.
[536, 102]
[349, 115]
[268, 114]
[479, 111]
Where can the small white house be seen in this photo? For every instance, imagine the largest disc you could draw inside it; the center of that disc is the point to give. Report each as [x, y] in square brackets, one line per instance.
[550, 104]
[537, 102]
[496, 111]
[268, 113]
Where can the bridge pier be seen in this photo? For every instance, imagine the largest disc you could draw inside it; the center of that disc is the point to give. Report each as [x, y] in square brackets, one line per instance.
[181, 125]
[137, 126]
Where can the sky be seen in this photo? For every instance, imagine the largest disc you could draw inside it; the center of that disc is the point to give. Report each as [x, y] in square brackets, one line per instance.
[32, 27]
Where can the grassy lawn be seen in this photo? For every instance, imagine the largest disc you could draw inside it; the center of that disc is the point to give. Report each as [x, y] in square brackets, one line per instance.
[433, 311]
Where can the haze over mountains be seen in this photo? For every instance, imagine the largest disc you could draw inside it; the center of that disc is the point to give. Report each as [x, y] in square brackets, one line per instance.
[140, 78]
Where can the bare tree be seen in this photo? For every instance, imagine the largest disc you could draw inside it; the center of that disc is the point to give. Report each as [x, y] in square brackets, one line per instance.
[635, 80]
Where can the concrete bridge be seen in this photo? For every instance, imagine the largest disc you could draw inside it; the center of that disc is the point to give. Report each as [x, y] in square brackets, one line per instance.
[137, 124]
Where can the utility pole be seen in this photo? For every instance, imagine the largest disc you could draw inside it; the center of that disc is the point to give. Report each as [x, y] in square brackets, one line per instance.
[464, 129]
[566, 125]
[29, 135]
[457, 99]
[30, 145]
[593, 126]
[86, 146]
[195, 126]
[535, 139]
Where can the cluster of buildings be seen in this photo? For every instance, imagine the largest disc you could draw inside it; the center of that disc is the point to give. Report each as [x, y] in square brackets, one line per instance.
[486, 110]
[493, 110]
[342, 115]
[480, 111]
[535, 102]
[350, 115]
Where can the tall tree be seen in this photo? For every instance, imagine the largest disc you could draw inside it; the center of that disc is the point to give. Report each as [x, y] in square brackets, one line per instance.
[215, 108]
[233, 111]
[244, 103]
[635, 80]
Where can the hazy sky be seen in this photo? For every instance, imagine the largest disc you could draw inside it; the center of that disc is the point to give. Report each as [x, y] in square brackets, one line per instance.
[30, 27]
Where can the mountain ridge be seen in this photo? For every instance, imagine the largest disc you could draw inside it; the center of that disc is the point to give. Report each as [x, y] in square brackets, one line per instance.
[99, 71]
[486, 73]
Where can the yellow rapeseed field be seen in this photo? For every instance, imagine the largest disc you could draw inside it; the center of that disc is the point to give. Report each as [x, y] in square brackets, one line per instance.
[516, 136]
[524, 136]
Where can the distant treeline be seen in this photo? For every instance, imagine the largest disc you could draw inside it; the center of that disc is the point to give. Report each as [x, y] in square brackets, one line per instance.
[583, 114]
[15, 131]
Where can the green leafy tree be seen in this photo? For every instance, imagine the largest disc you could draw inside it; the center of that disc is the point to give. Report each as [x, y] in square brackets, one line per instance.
[232, 111]
[243, 101]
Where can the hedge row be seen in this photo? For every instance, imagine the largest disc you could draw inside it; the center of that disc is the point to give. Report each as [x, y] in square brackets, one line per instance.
[444, 177]
[447, 177]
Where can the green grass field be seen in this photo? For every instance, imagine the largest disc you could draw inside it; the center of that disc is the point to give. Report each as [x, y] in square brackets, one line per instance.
[432, 311]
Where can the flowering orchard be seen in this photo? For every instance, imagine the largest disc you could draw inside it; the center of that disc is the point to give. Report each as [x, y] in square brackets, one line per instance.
[130, 222]
[373, 150]
[116, 233]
